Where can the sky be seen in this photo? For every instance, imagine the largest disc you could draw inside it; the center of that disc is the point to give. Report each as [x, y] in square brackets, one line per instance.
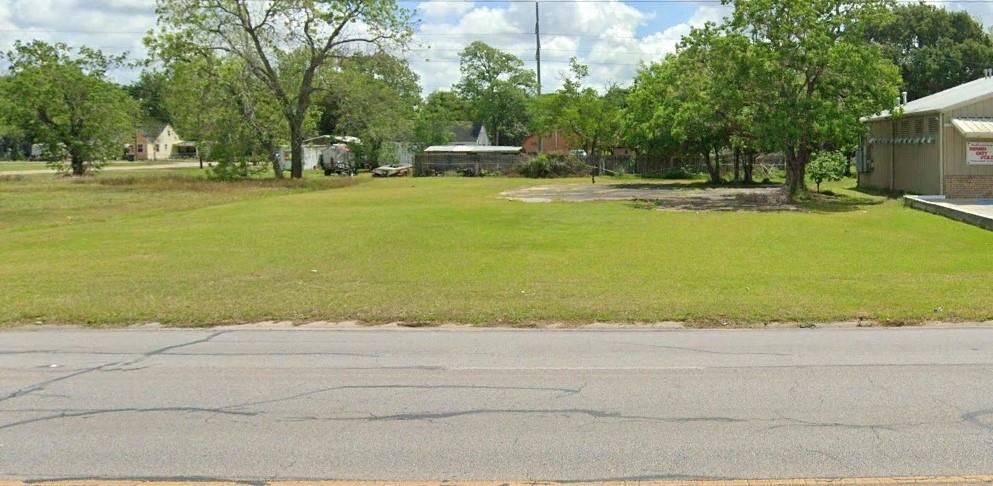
[612, 37]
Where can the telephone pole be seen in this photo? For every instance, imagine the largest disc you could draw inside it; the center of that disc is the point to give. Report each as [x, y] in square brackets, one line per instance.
[537, 56]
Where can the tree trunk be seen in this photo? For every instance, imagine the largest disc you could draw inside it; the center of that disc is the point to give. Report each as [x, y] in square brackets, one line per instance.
[749, 167]
[277, 166]
[296, 148]
[737, 165]
[77, 164]
[715, 167]
[796, 170]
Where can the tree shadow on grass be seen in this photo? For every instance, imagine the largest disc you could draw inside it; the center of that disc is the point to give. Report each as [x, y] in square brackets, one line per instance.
[687, 185]
[830, 202]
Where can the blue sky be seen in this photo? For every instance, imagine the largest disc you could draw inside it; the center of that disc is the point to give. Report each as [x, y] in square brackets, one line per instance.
[612, 37]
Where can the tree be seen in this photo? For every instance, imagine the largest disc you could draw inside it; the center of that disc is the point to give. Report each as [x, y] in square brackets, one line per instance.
[591, 119]
[934, 47]
[435, 118]
[373, 98]
[827, 166]
[815, 72]
[283, 44]
[497, 87]
[64, 100]
[149, 92]
[214, 101]
[645, 122]
[694, 102]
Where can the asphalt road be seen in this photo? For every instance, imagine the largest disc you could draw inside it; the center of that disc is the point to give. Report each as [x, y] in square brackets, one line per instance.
[497, 405]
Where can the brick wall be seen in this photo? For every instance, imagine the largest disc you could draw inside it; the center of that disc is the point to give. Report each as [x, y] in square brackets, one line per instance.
[969, 186]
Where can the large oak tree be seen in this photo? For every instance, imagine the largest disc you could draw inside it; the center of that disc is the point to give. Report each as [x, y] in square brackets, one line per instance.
[282, 43]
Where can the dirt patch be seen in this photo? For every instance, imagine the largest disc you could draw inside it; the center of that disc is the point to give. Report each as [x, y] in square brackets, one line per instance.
[668, 197]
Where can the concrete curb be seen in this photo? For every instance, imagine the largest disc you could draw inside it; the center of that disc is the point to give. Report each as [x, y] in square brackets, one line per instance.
[904, 480]
[934, 206]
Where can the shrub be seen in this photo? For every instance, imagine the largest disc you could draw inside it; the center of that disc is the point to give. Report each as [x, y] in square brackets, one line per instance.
[545, 166]
[827, 166]
[235, 169]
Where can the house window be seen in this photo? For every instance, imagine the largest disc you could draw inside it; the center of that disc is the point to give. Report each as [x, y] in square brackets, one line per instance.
[141, 148]
[156, 147]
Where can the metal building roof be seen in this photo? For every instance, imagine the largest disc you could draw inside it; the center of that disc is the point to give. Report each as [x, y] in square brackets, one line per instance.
[946, 100]
[473, 149]
[974, 127]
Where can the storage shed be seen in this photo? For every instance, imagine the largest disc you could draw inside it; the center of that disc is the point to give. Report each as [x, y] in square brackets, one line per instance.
[468, 160]
[937, 145]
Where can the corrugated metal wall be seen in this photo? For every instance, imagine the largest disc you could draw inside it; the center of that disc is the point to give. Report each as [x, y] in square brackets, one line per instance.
[905, 155]
[881, 155]
[955, 143]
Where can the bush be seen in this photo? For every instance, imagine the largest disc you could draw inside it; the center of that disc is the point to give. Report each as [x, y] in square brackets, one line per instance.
[827, 166]
[545, 166]
[236, 169]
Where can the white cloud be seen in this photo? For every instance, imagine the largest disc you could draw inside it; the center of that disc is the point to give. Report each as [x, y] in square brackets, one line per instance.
[608, 36]
[612, 37]
[114, 26]
[438, 10]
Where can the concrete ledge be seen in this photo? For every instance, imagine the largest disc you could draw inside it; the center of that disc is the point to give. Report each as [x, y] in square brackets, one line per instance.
[939, 205]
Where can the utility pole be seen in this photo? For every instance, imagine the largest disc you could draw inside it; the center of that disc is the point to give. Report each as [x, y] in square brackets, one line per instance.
[537, 56]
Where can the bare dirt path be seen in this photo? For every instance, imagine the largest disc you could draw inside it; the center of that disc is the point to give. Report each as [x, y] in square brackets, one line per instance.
[665, 196]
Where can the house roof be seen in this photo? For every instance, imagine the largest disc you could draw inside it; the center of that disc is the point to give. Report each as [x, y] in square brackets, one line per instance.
[331, 140]
[974, 127]
[946, 100]
[466, 131]
[153, 128]
[473, 149]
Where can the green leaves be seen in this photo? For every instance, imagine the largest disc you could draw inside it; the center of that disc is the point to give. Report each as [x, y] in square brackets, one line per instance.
[497, 88]
[62, 100]
[281, 44]
[588, 118]
[827, 166]
[934, 47]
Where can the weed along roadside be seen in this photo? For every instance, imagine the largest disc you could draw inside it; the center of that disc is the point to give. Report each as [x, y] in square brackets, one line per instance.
[168, 248]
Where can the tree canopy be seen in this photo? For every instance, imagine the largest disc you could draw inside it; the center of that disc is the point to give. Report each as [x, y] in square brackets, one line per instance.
[372, 97]
[283, 44]
[590, 119]
[497, 88]
[63, 99]
[934, 47]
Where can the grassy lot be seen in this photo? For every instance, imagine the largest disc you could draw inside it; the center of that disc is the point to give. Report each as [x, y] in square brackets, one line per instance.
[6, 166]
[173, 248]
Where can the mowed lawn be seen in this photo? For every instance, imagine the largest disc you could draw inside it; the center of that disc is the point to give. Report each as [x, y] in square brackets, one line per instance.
[170, 247]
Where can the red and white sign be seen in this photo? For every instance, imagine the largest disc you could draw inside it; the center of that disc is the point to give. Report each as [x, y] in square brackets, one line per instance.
[979, 153]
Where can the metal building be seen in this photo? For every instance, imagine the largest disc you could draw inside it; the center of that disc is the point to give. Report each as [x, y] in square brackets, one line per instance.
[937, 145]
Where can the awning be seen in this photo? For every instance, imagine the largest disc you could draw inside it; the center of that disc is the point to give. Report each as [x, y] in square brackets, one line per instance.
[974, 127]
[474, 149]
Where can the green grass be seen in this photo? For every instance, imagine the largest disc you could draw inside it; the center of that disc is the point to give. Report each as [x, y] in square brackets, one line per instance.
[6, 166]
[174, 248]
